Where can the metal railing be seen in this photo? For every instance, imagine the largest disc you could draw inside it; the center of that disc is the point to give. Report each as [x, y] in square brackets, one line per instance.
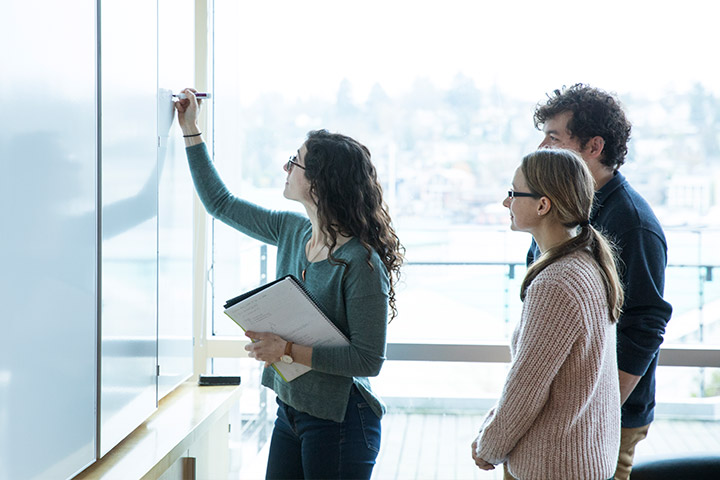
[694, 348]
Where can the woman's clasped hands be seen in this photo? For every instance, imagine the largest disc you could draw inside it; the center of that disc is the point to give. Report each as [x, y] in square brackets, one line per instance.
[482, 464]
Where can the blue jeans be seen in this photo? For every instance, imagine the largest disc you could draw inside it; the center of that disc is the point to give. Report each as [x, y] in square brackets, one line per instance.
[304, 446]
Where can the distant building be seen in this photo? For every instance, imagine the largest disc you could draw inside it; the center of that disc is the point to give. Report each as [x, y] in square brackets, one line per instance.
[692, 192]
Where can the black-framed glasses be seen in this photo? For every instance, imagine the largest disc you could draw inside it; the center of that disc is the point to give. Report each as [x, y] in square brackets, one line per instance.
[514, 194]
[292, 161]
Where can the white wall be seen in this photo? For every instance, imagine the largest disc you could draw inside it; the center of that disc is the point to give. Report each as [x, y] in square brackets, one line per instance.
[88, 157]
[48, 243]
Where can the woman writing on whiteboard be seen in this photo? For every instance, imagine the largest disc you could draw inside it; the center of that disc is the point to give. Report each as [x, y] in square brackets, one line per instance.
[348, 256]
[559, 412]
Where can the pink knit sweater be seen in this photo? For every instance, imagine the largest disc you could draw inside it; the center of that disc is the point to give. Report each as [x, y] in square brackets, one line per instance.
[559, 413]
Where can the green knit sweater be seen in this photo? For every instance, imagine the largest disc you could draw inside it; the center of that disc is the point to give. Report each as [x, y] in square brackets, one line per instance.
[355, 297]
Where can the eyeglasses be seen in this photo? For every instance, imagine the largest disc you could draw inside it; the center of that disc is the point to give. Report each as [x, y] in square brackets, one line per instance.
[292, 162]
[514, 194]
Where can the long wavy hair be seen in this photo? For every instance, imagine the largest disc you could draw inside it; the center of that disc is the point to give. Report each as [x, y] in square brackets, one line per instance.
[349, 198]
[564, 178]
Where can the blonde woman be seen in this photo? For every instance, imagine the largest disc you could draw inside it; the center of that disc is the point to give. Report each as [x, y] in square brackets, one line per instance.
[559, 413]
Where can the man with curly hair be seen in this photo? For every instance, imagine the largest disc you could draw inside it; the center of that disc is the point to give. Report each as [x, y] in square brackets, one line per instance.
[592, 122]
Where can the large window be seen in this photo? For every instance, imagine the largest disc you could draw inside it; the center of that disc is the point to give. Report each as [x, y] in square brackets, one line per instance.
[443, 93]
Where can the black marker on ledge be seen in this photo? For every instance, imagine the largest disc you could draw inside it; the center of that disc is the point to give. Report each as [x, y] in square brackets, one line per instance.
[211, 380]
[198, 95]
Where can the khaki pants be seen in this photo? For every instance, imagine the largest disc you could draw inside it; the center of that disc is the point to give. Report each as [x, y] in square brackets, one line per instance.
[629, 437]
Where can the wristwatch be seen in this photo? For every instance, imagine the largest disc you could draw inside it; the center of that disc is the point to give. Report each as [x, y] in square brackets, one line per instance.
[287, 356]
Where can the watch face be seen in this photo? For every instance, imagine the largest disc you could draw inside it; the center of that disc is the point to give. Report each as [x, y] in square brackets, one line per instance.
[286, 359]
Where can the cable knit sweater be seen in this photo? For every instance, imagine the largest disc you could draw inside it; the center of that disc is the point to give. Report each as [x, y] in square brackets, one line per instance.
[559, 413]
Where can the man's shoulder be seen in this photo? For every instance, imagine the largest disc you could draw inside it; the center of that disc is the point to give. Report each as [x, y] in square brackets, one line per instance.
[624, 209]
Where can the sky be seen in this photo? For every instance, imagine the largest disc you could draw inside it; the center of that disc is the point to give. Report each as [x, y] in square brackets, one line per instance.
[525, 48]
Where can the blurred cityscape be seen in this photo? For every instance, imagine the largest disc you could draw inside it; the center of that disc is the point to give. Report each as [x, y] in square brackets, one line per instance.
[446, 156]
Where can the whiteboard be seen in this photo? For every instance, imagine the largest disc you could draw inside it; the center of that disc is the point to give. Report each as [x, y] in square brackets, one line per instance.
[96, 240]
[129, 179]
[48, 245]
[175, 198]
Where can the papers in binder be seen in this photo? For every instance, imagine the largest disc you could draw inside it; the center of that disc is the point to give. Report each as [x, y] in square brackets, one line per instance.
[285, 308]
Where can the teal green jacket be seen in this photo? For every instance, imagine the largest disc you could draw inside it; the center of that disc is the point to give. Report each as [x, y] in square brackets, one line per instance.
[354, 296]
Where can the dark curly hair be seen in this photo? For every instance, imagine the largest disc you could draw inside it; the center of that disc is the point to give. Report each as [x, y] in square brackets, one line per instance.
[350, 202]
[594, 113]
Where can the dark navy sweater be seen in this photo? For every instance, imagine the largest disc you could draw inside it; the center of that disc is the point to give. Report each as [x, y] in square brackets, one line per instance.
[627, 219]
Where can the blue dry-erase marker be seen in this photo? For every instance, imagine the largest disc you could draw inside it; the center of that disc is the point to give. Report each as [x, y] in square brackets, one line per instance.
[198, 95]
